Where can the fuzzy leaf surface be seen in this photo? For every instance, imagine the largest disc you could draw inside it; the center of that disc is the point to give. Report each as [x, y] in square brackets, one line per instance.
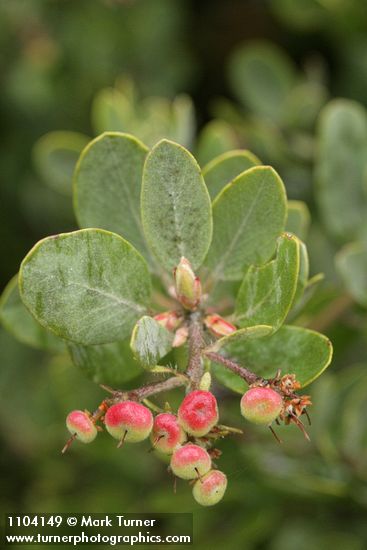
[249, 215]
[175, 203]
[88, 286]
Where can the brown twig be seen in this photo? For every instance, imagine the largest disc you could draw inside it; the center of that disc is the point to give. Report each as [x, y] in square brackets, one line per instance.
[247, 375]
[143, 392]
[196, 345]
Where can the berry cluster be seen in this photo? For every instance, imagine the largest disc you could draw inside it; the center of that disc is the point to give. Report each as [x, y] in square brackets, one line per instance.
[185, 437]
[181, 436]
[188, 436]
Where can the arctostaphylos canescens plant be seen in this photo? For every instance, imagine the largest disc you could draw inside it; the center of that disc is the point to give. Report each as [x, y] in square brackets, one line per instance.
[162, 279]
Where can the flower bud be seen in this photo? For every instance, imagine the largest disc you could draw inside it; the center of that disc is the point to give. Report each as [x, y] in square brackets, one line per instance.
[205, 382]
[169, 319]
[219, 326]
[188, 286]
[181, 335]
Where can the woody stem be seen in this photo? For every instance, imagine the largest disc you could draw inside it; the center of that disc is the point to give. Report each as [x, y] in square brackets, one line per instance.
[196, 345]
[249, 376]
[143, 392]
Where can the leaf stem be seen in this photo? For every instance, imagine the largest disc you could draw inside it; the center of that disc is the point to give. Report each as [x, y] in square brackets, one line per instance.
[249, 376]
[143, 392]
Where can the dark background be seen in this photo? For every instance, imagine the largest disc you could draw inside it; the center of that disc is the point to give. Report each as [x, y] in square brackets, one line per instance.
[54, 56]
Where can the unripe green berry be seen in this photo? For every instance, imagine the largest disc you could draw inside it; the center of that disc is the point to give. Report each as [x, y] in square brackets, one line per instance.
[261, 405]
[167, 434]
[190, 461]
[198, 412]
[81, 426]
[209, 490]
[129, 421]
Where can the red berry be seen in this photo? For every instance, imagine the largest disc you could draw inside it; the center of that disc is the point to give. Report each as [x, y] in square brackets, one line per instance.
[167, 434]
[210, 489]
[129, 421]
[261, 405]
[79, 424]
[190, 461]
[198, 412]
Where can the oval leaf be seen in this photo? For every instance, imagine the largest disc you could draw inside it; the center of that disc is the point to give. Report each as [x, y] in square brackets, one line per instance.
[18, 321]
[267, 292]
[351, 262]
[228, 378]
[298, 220]
[262, 76]
[303, 272]
[241, 336]
[150, 341]
[89, 286]
[107, 184]
[249, 215]
[112, 364]
[225, 168]
[176, 208]
[55, 155]
[112, 111]
[215, 138]
[340, 168]
[294, 350]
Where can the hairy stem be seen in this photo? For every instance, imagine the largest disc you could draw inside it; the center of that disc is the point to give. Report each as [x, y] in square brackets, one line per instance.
[143, 392]
[196, 345]
[247, 375]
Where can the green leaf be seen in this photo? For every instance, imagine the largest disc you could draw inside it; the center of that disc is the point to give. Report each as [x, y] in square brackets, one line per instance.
[303, 104]
[228, 378]
[215, 138]
[225, 168]
[267, 292]
[262, 75]
[249, 215]
[351, 263]
[107, 184]
[176, 208]
[292, 349]
[18, 321]
[150, 119]
[112, 111]
[303, 273]
[340, 168]
[298, 220]
[150, 341]
[112, 364]
[241, 337]
[55, 155]
[183, 120]
[89, 286]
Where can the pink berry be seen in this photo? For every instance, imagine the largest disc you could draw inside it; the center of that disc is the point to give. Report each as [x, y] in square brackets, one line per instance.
[167, 434]
[190, 461]
[79, 424]
[129, 421]
[261, 405]
[210, 489]
[198, 412]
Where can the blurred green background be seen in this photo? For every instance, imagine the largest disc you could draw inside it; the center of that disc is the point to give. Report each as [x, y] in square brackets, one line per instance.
[258, 73]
